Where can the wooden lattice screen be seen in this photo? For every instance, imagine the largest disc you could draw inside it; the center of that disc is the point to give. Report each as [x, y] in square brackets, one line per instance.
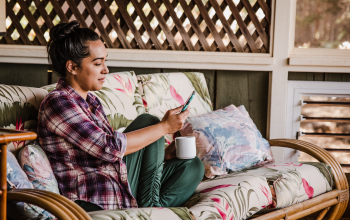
[194, 25]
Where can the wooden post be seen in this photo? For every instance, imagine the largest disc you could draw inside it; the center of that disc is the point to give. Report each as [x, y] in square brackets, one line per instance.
[3, 183]
[2, 18]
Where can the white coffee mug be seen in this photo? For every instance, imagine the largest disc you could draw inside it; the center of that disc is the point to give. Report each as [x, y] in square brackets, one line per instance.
[185, 147]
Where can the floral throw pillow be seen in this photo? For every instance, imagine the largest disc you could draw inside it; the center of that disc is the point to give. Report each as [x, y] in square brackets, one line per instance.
[36, 165]
[227, 140]
[17, 179]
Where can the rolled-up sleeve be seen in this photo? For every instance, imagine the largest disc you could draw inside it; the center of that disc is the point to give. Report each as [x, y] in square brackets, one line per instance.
[67, 119]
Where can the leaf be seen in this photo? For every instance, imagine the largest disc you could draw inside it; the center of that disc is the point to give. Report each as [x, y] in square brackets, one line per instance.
[25, 95]
[10, 112]
[138, 103]
[15, 91]
[118, 120]
[104, 99]
[325, 170]
[238, 202]
[154, 88]
[254, 209]
[2, 94]
[4, 90]
[113, 92]
[200, 87]
[182, 213]
[213, 215]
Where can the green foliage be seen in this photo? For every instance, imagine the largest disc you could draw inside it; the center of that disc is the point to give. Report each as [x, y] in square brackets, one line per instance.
[11, 112]
[181, 212]
[322, 23]
[118, 121]
[200, 87]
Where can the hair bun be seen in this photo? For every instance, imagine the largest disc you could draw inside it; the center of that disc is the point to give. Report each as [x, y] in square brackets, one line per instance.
[61, 30]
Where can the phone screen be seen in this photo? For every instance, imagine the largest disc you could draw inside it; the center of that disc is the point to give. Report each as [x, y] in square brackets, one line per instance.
[188, 101]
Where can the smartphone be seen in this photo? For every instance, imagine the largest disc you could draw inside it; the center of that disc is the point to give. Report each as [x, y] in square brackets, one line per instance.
[188, 101]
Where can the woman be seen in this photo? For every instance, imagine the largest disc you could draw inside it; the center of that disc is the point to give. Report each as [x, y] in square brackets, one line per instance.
[92, 163]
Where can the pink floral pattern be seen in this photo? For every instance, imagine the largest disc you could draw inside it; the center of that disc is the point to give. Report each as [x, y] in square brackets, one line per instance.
[127, 86]
[35, 164]
[176, 96]
[308, 189]
[227, 140]
[229, 197]
[267, 194]
[19, 127]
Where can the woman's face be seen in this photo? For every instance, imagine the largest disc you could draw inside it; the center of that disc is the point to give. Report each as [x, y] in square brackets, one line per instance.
[91, 74]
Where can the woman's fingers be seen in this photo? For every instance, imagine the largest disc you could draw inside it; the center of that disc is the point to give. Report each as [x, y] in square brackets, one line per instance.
[174, 119]
[175, 110]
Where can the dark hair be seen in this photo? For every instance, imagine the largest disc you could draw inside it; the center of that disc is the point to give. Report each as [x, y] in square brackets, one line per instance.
[68, 42]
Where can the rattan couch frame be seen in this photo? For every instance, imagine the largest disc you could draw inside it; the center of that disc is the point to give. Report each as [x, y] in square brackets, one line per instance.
[331, 204]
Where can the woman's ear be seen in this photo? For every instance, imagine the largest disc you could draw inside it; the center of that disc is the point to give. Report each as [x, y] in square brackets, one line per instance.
[71, 67]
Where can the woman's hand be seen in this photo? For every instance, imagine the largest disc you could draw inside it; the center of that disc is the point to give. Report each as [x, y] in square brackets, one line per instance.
[170, 151]
[173, 121]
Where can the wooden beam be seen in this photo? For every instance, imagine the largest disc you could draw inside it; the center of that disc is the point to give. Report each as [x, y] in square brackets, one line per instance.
[2, 17]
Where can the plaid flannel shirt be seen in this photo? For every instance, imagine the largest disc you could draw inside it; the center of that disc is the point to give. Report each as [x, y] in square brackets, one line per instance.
[84, 151]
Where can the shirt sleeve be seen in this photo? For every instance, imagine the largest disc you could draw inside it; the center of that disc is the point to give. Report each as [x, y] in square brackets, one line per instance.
[67, 119]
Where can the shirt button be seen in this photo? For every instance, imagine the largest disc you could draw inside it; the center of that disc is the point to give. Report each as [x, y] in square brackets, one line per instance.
[108, 150]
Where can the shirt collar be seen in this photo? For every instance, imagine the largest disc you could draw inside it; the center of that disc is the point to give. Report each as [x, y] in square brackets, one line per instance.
[90, 100]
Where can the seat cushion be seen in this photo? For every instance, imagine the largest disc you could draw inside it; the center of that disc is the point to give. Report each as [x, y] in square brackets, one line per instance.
[230, 197]
[242, 194]
[19, 110]
[292, 183]
[154, 213]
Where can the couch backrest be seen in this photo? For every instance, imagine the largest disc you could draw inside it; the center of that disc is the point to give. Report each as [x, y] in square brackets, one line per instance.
[19, 107]
[163, 91]
[124, 96]
[120, 98]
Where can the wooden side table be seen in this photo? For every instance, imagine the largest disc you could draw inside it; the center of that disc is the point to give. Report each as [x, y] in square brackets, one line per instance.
[7, 136]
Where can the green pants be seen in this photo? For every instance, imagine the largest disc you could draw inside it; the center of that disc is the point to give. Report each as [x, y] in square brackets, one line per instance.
[155, 183]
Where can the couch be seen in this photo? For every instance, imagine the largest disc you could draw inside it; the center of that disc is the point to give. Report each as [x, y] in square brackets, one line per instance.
[272, 191]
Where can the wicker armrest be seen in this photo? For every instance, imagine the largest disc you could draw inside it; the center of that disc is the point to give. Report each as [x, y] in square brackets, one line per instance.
[60, 206]
[340, 180]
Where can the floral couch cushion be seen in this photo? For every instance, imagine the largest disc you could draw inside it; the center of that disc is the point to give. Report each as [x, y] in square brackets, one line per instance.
[293, 183]
[36, 165]
[142, 213]
[241, 194]
[19, 110]
[17, 179]
[120, 98]
[161, 92]
[230, 197]
[227, 140]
